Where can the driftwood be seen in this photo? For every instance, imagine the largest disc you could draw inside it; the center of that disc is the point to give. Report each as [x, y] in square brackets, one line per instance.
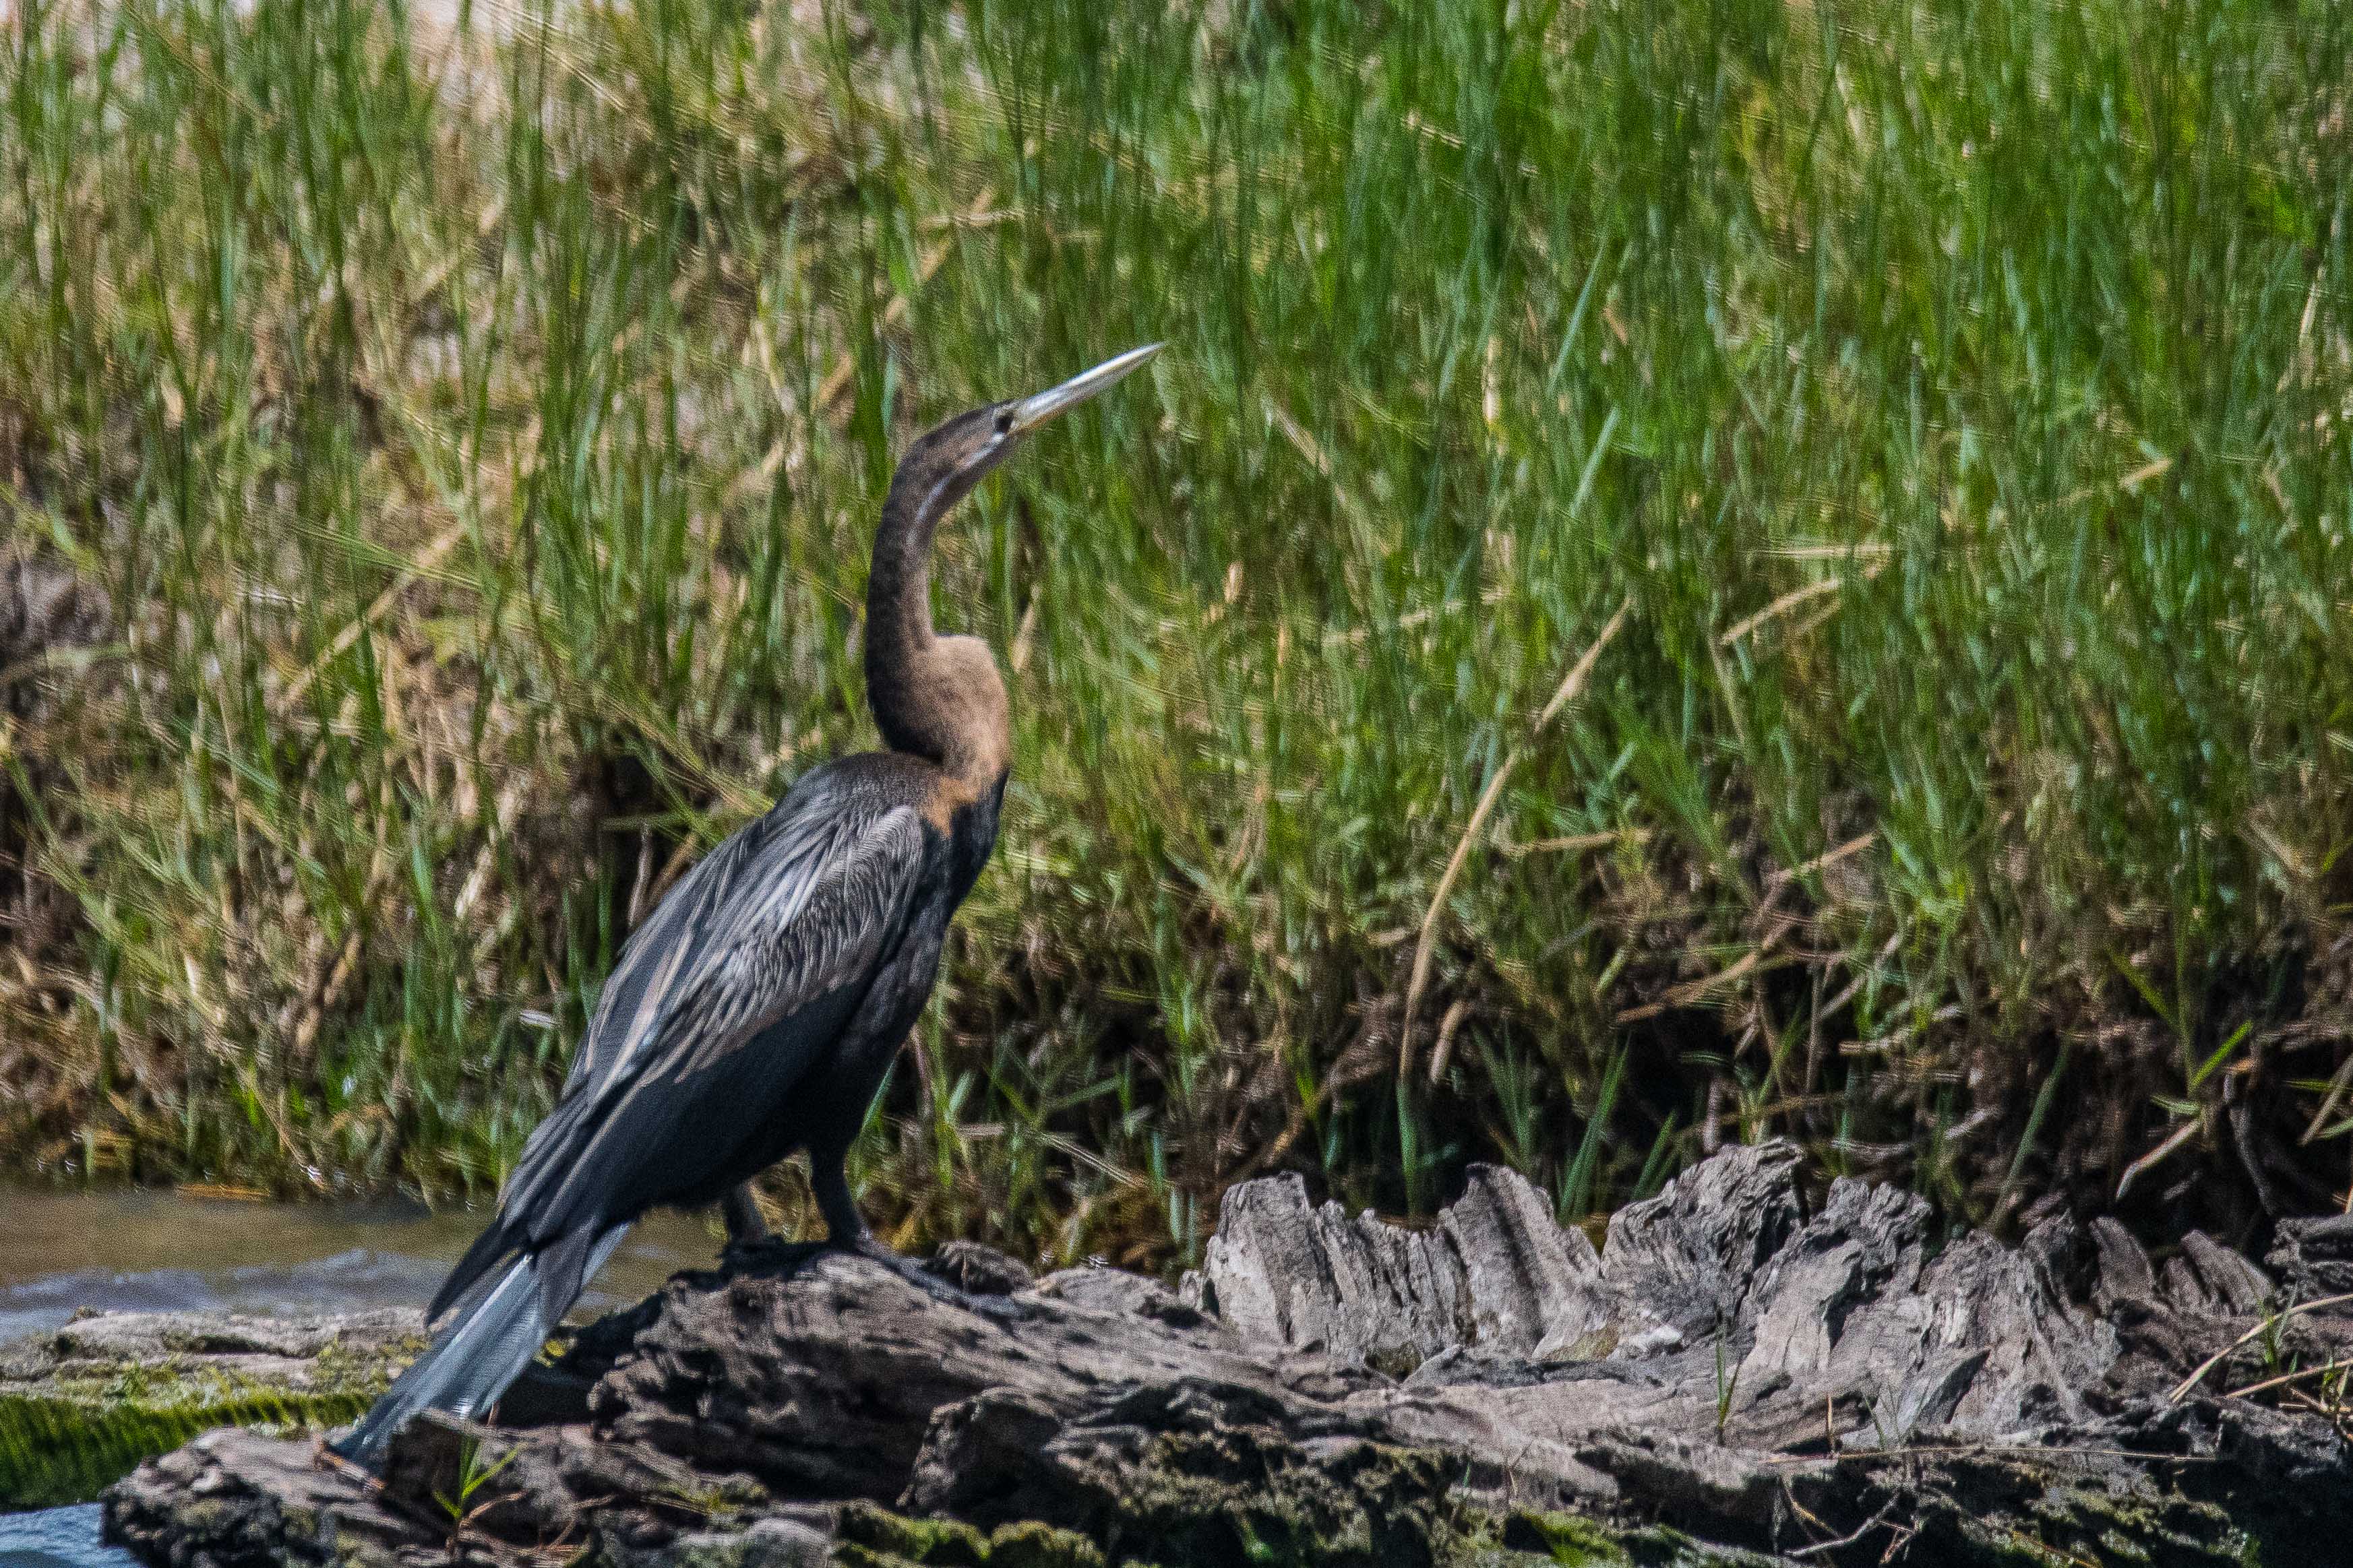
[1730, 1377]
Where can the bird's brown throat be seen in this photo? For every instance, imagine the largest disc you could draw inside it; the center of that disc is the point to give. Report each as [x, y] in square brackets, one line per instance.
[940, 698]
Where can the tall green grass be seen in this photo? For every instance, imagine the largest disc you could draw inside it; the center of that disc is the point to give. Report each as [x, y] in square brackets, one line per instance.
[476, 418]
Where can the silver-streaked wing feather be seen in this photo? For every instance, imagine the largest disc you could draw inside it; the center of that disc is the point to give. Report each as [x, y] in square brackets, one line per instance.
[669, 943]
[802, 935]
[780, 929]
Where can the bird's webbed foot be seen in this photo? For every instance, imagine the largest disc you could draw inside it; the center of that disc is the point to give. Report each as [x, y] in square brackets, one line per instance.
[863, 1245]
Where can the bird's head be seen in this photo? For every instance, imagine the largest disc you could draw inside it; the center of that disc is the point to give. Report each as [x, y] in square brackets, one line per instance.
[935, 697]
[944, 463]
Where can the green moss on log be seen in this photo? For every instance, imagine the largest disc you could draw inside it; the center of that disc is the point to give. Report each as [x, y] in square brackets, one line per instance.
[1574, 1541]
[64, 1450]
[871, 1537]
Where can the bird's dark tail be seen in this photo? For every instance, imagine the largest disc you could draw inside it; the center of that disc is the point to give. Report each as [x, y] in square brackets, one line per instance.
[473, 1361]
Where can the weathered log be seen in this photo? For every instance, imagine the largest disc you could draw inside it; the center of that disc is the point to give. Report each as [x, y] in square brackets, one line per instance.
[1731, 1377]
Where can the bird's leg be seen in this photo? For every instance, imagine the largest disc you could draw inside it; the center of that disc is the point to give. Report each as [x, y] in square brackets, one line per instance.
[845, 1227]
[740, 1213]
[846, 1232]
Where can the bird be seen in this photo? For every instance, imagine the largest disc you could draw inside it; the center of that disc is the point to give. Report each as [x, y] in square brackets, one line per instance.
[757, 1009]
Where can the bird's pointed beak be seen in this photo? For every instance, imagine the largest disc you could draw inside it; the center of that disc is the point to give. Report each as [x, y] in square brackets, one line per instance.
[1031, 412]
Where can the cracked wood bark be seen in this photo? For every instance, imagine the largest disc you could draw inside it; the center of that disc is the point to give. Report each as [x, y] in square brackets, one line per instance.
[1762, 1378]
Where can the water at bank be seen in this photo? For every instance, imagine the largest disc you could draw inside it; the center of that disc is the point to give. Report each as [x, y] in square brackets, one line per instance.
[58, 1538]
[171, 1251]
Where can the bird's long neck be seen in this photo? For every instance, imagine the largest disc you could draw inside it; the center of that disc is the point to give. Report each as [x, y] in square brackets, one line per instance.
[936, 697]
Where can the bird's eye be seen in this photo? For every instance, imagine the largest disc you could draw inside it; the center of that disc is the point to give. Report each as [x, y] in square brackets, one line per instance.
[1003, 421]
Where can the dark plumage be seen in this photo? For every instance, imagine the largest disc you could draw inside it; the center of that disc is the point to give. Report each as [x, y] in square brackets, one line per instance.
[757, 1009]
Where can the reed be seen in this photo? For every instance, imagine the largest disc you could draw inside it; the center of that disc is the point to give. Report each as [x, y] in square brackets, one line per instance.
[475, 417]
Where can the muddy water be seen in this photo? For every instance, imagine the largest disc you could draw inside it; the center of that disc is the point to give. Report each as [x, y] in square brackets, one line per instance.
[162, 1251]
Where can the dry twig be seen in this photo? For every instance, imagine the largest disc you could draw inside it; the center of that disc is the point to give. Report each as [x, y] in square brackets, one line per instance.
[1571, 684]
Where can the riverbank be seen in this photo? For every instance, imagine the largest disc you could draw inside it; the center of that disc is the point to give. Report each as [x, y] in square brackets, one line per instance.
[1733, 1378]
[65, 1254]
[79, 1405]
[130, 1321]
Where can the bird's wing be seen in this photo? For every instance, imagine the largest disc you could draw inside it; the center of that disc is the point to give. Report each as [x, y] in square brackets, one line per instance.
[673, 938]
[779, 932]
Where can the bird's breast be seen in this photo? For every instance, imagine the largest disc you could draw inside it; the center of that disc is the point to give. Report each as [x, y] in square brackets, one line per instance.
[972, 838]
[960, 818]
